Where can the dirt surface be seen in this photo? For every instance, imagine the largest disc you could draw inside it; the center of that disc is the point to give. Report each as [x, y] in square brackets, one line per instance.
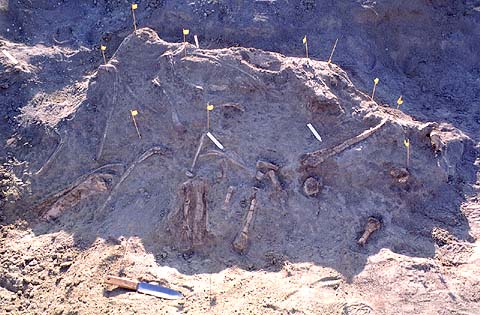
[277, 222]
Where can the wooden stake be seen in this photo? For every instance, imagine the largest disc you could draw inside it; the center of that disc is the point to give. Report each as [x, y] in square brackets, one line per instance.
[103, 48]
[375, 82]
[305, 42]
[135, 113]
[406, 142]
[209, 109]
[399, 102]
[134, 7]
[185, 33]
[333, 50]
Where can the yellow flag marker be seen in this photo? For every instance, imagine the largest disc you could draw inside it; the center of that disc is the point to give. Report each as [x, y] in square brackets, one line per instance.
[210, 107]
[134, 7]
[375, 82]
[399, 101]
[135, 113]
[185, 33]
[305, 42]
[103, 48]
[406, 142]
[333, 50]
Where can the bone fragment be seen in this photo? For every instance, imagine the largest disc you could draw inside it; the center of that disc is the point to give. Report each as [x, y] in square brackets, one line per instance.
[228, 197]
[259, 175]
[264, 165]
[275, 182]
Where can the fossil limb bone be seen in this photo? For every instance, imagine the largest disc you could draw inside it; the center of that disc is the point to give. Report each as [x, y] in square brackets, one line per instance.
[54, 154]
[189, 220]
[116, 82]
[240, 243]
[51, 199]
[140, 159]
[93, 184]
[316, 158]
[373, 224]
[200, 145]
[229, 157]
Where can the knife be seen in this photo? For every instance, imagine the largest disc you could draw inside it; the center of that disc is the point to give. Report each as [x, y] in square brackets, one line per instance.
[143, 287]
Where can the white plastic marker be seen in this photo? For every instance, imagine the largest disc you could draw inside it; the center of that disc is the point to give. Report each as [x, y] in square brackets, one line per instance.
[217, 143]
[315, 133]
[196, 41]
[10, 57]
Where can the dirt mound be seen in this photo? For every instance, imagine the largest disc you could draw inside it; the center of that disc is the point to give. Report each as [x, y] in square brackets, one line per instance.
[273, 199]
[417, 48]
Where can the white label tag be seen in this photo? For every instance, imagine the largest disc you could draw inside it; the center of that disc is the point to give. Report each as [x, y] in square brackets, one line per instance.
[315, 133]
[217, 143]
[196, 41]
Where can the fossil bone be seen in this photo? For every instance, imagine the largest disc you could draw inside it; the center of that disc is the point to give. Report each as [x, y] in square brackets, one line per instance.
[264, 165]
[311, 186]
[275, 182]
[373, 224]
[259, 175]
[93, 184]
[140, 159]
[316, 158]
[189, 220]
[200, 145]
[228, 197]
[240, 243]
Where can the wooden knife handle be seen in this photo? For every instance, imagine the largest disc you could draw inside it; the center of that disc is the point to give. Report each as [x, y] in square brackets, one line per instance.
[122, 282]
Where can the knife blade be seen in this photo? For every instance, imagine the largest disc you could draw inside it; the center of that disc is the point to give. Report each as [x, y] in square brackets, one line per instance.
[143, 287]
